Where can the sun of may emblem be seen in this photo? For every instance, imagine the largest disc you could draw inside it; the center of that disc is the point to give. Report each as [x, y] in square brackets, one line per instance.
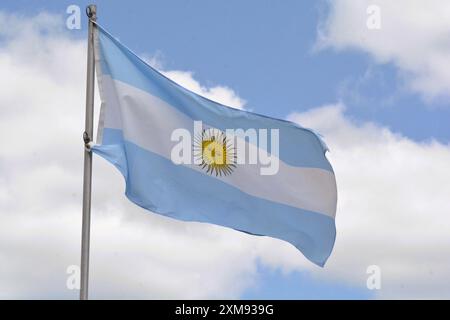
[214, 152]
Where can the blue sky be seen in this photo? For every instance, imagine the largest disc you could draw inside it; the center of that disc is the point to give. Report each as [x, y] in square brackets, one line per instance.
[265, 51]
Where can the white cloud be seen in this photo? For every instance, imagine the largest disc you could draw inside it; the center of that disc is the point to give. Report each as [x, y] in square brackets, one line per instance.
[413, 36]
[393, 208]
[221, 94]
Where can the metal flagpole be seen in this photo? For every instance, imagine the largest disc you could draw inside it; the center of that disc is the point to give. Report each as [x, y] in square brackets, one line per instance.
[91, 12]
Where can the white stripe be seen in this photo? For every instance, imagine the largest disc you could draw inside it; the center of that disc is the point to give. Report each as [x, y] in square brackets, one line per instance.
[148, 122]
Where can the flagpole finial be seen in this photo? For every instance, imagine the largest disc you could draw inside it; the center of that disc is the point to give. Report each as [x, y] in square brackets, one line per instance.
[91, 11]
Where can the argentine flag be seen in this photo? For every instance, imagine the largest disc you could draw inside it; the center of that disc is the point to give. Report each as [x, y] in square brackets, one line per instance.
[190, 158]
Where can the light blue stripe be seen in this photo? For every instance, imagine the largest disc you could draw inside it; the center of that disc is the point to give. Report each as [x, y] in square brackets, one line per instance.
[298, 146]
[156, 184]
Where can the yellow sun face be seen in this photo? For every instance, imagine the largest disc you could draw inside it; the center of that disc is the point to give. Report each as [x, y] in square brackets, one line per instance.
[215, 152]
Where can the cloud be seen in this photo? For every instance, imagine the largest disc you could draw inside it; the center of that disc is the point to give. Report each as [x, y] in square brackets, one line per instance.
[413, 37]
[221, 94]
[393, 208]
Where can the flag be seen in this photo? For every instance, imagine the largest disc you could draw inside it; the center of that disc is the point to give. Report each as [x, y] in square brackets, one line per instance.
[189, 158]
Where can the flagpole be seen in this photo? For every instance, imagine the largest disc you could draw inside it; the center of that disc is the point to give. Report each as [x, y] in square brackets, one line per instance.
[91, 12]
